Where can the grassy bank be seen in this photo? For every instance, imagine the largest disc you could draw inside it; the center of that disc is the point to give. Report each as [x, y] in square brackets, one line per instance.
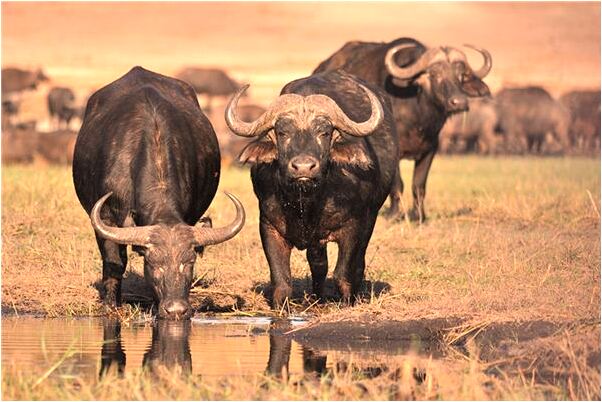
[507, 239]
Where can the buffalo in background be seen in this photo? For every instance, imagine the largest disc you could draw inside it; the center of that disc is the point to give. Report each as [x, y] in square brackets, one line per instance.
[14, 82]
[210, 82]
[26, 145]
[425, 86]
[231, 146]
[472, 131]
[18, 80]
[584, 129]
[62, 107]
[528, 116]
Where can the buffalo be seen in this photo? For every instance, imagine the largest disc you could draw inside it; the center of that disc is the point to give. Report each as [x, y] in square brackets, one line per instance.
[146, 167]
[10, 109]
[472, 131]
[17, 80]
[425, 86]
[61, 106]
[584, 129]
[323, 162]
[526, 116]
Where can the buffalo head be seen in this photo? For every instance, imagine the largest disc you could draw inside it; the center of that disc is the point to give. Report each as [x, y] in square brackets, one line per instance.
[169, 253]
[303, 134]
[443, 73]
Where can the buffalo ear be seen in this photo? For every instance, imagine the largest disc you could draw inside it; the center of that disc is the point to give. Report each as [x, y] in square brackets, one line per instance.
[474, 87]
[259, 151]
[205, 222]
[350, 153]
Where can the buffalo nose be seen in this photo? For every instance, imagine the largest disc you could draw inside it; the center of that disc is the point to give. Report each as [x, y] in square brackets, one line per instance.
[458, 103]
[304, 166]
[175, 309]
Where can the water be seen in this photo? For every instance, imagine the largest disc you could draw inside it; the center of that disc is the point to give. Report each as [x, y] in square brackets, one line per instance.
[208, 347]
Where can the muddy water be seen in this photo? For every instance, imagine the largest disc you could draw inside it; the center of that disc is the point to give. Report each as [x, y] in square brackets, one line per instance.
[207, 347]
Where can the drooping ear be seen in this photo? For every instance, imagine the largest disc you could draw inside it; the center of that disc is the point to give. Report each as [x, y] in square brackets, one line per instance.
[474, 87]
[205, 222]
[262, 150]
[349, 153]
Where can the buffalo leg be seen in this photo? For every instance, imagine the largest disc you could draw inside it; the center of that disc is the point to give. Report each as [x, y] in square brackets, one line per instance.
[278, 253]
[360, 258]
[318, 263]
[421, 172]
[114, 261]
[395, 195]
[344, 273]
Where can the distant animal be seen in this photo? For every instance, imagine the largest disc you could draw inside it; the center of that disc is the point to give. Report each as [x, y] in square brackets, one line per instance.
[471, 131]
[323, 162]
[146, 150]
[425, 87]
[61, 106]
[527, 115]
[18, 145]
[57, 147]
[584, 129]
[17, 80]
[10, 108]
[208, 81]
[232, 147]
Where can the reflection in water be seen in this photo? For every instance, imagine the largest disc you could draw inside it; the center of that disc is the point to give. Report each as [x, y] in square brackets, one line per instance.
[280, 353]
[112, 354]
[170, 348]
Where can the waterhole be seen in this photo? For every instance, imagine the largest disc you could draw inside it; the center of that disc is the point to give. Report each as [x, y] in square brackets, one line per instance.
[90, 348]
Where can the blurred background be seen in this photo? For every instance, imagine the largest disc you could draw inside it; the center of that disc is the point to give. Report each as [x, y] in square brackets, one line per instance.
[69, 50]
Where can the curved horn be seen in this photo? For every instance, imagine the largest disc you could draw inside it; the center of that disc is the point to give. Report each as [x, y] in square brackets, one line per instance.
[240, 127]
[343, 122]
[484, 70]
[138, 235]
[206, 236]
[412, 70]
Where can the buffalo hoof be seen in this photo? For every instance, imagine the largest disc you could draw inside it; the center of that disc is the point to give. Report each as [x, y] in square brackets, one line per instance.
[392, 213]
[415, 216]
[344, 288]
[281, 295]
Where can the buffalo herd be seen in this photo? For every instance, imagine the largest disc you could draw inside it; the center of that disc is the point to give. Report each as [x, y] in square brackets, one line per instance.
[324, 155]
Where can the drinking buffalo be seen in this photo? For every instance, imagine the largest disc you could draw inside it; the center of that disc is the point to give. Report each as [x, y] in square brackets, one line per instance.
[148, 152]
[425, 86]
[323, 163]
[527, 115]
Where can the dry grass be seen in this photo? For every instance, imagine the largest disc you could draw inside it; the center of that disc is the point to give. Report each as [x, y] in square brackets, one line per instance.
[508, 239]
